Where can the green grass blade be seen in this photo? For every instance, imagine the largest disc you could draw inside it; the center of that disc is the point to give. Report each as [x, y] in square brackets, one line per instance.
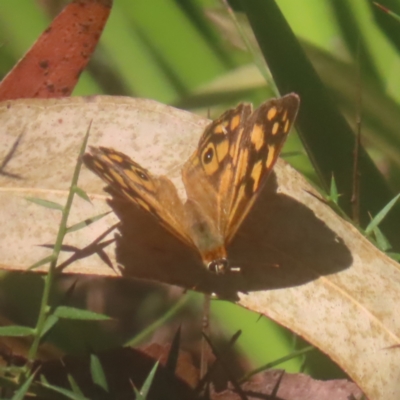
[21, 392]
[333, 193]
[86, 222]
[381, 240]
[74, 386]
[97, 372]
[43, 261]
[77, 313]
[376, 221]
[388, 20]
[15, 330]
[82, 194]
[50, 322]
[44, 305]
[326, 135]
[387, 11]
[46, 203]
[356, 42]
[67, 393]
[281, 360]
[190, 63]
[144, 391]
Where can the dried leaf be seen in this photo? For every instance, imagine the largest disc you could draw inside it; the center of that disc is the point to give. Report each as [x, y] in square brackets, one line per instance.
[52, 66]
[303, 266]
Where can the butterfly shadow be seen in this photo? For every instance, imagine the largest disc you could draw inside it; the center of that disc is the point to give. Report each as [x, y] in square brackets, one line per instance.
[281, 244]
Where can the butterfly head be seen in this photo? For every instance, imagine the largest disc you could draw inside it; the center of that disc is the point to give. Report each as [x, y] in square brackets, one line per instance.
[219, 266]
[219, 263]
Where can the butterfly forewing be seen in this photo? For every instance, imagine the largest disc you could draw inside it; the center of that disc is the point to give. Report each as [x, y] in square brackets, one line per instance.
[214, 149]
[258, 148]
[155, 195]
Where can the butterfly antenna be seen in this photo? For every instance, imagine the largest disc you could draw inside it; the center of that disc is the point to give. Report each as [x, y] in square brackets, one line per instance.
[238, 269]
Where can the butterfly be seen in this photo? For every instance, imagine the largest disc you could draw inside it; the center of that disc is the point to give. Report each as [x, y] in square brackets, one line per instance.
[222, 178]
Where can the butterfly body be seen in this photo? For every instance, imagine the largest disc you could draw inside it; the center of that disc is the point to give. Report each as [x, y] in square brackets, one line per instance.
[222, 178]
[206, 237]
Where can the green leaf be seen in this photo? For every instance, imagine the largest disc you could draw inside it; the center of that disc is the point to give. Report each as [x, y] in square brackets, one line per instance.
[326, 135]
[333, 193]
[281, 360]
[77, 313]
[45, 203]
[43, 261]
[82, 194]
[50, 322]
[21, 392]
[382, 242]
[144, 391]
[381, 215]
[86, 222]
[15, 330]
[74, 386]
[67, 393]
[97, 372]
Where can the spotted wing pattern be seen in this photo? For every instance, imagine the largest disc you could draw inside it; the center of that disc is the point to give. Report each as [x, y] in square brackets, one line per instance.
[222, 178]
[154, 194]
[234, 158]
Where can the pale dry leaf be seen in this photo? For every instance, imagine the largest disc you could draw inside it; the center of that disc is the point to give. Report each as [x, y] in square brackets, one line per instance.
[302, 265]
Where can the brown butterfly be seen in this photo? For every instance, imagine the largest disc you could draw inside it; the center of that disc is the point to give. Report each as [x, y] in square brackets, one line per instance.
[222, 178]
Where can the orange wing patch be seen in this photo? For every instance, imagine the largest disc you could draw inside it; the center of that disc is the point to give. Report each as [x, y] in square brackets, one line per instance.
[264, 133]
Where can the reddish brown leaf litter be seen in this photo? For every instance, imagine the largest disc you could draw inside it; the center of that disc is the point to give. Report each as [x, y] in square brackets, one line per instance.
[275, 384]
[127, 367]
[52, 66]
[185, 370]
[124, 368]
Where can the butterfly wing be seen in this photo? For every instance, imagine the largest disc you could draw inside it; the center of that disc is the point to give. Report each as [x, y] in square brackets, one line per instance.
[208, 172]
[234, 157]
[154, 194]
[258, 148]
[206, 175]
